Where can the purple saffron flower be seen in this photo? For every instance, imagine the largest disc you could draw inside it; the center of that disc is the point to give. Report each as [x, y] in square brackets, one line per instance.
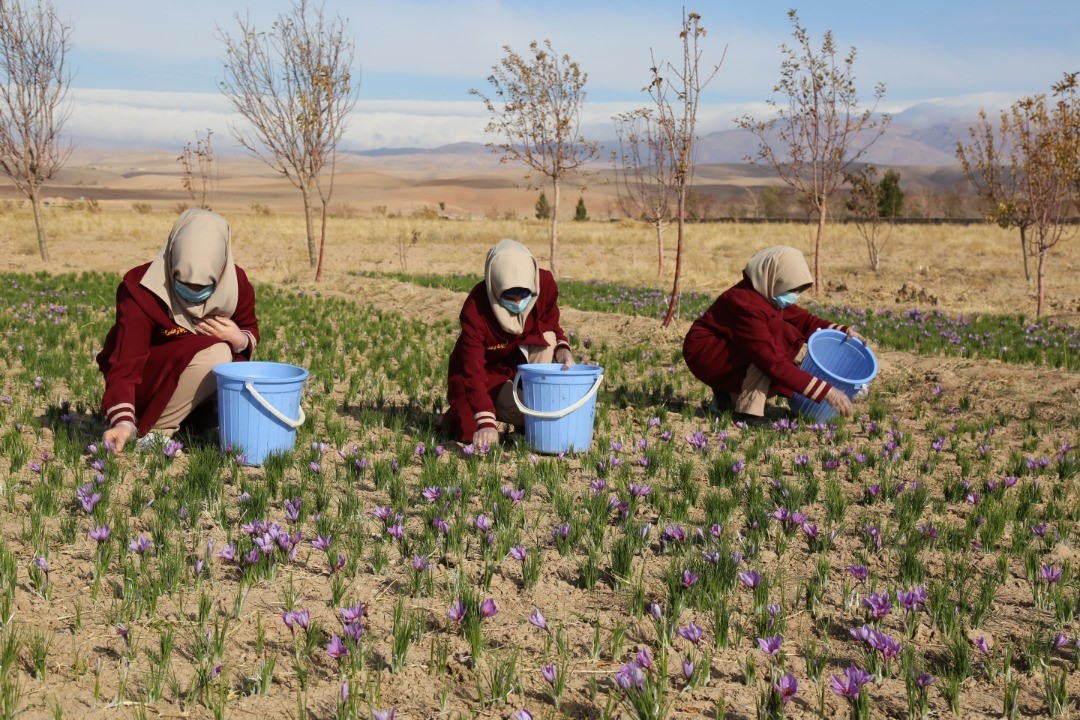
[141, 544]
[483, 523]
[420, 563]
[390, 714]
[522, 714]
[689, 579]
[519, 553]
[687, 668]
[396, 531]
[292, 509]
[335, 648]
[122, 631]
[630, 677]
[537, 619]
[1050, 574]
[925, 680]
[691, 632]
[440, 526]
[878, 604]
[852, 682]
[100, 534]
[643, 659]
[750, 579]
[488, 609]
[786, 687]
[859, 572]
[984, 647]
[771, 645]
[549, 673]
[322, 543]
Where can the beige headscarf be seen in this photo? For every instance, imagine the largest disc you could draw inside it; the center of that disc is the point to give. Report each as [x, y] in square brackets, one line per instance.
[777, 270]
[198, 252]
[509, 265]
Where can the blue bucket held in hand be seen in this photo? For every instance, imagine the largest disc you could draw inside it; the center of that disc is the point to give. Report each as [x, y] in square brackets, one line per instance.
[259, 407]
[559, 405]
[843, 362]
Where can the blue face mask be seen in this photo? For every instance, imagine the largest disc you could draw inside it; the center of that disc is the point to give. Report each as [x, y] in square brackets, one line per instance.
[192, 296]
[516, 308]
[786, 299]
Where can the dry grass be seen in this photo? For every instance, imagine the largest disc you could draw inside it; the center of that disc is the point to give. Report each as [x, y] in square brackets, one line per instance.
[962, 268]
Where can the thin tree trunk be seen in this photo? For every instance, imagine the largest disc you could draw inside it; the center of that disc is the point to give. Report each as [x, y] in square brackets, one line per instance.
[39, 222]
[659, 248]
[309, 225]
[1024, 252]
[555, 225]
[681, 212]
[818, 282]
[322, 244]
[1041, 296]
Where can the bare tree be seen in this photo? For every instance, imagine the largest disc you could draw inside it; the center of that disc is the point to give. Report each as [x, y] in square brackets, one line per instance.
[536, 112]
[34, 80]
[644, 170]
[864, 204]
[198, 164]
[985, 163]
[820, 130]
[294, 87]
[677, 124]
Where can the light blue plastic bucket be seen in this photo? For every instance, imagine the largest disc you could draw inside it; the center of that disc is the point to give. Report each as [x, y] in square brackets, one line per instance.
[559, 405]
[845, 363]
[259, 407]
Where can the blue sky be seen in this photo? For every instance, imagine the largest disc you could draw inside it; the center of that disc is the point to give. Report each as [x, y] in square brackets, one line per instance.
[147, 70]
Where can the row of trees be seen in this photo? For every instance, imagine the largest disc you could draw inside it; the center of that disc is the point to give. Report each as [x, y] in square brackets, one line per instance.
[294, 87]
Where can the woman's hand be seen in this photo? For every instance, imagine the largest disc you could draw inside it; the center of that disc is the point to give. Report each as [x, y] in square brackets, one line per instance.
[853, 333]
[224, 329]
[564, 356]
[120, 435]
[486, 437]
[840, 402]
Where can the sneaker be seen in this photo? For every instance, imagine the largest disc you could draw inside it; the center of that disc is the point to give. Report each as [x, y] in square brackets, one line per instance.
[150, 442]
[748, 420]
[721, 403]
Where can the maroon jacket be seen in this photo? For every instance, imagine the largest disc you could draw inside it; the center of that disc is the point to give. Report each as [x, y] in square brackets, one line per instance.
[743, 328]
[146, 351]
[486, 356]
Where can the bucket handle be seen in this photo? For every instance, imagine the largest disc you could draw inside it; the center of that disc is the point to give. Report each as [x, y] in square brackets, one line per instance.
[554, 414]
[294, 424]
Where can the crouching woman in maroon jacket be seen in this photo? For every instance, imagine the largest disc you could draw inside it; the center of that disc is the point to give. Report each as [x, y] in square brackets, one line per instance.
[177, 317]
[510, 318]
[744, 346]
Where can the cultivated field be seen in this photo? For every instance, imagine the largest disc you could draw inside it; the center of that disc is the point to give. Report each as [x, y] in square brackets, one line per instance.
[683, 562]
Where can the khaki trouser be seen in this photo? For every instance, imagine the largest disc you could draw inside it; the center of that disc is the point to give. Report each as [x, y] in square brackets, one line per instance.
[505, 409]
[755, 391]
[196, 384]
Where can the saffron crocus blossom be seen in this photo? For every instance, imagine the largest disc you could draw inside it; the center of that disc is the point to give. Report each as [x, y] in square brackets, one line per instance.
[390, 714]
[878, 604]
[322, 543]
[786, 687]
[519, 553]
[537, 619]
[336, 649]
[983, 645]
[483, 523]
[1050, 574]
[750, 579]
[852, 682]
[687, 668]
[141, 544]
[522, 714]
[549, 673]
[456, 611]
[912, 599]
[692, 632]
[771, 645]
[630, 677]
[689, 579]
[488, 609]
[100, 534]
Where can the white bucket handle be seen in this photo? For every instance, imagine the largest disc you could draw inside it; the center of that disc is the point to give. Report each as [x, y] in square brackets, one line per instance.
[554, 414]
[294, 424]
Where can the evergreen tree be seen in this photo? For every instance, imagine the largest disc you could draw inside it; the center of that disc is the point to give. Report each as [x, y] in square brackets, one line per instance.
[580, 213]
[890, 196]
[543, 209]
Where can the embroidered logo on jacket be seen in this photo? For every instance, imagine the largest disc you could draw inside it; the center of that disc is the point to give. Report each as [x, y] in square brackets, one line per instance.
[499, 346]
[175, 331]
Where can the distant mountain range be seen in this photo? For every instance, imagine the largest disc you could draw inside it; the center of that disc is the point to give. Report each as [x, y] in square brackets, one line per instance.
[909, 140]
